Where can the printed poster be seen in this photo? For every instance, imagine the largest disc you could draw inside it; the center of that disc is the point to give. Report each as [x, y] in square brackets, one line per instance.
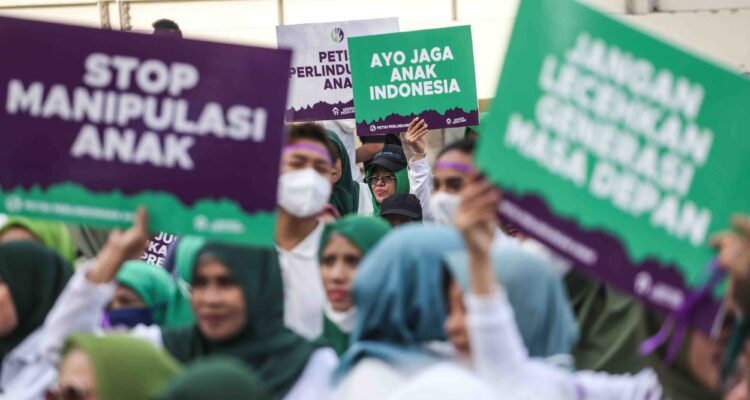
[620, 151]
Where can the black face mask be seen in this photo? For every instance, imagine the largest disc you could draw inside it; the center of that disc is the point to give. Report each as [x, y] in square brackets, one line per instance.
[129, 317]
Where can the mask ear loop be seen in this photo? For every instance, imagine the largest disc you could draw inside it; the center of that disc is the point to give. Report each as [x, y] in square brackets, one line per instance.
[679, 318]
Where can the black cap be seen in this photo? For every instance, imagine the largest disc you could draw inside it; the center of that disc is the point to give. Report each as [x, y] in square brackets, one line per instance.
[405, 204]
[391, 158]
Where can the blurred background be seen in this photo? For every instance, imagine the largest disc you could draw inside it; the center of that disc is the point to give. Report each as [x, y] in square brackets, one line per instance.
[719, 29]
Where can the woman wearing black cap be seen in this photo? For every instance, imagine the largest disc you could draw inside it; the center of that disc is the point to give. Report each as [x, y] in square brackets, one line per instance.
[390, 173]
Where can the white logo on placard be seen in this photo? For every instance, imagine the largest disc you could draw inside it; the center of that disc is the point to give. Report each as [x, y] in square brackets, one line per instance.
[643, 283]
[448, 121]
[200, 223]
[335, 111]
[373, 128]
[13, 204]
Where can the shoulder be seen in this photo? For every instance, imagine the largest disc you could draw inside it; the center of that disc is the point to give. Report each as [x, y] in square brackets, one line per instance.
[370, 379]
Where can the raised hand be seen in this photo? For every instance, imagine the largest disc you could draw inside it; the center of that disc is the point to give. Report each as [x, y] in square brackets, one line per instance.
[122, 245]
[476, 218]
[414, 139]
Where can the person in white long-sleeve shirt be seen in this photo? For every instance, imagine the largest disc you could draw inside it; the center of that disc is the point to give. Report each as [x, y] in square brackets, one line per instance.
[238, 303]
[495, 347]
[31, 278]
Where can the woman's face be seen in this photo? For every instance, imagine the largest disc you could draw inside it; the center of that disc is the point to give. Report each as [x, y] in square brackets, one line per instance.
[450, 180]
[338, 266]
[77, 378]
[125, 298]
[8, 316]
[455, 324]
[383, 184]
[217, 301]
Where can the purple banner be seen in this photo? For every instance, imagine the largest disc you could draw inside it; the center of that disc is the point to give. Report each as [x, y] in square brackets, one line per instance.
[393, 123]
[601, 255]
[159, 247]
[95, 122]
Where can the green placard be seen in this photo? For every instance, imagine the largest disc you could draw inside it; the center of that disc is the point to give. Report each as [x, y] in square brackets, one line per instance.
[618, 149]
[429, 73]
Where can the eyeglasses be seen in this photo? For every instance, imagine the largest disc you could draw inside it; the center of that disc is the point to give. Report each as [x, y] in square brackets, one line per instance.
[385, 179]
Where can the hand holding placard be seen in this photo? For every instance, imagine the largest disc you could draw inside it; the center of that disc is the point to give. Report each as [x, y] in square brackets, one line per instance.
[121, 246]
[413, 140]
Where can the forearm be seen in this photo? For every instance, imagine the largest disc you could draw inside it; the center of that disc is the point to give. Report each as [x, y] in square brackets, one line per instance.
[106, 265]
[420, 182]
[367, 151]
[78, 309]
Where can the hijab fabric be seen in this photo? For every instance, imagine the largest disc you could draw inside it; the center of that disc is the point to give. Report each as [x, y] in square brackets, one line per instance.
[126, 368]
[400, 300]
[363, 233]
[53, 235]
[534, 290]
[152, 284]
[35, 276]
[217, 377]
[345, 194]
[264, 343]
[179, 313]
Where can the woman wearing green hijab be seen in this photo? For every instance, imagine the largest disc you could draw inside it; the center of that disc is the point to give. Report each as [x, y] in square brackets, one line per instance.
[216, 377]
[237, 300]
[179, 312]
[342, 246]
[142, 295]
[53, 235]
[387, 175]
[31, 279]
[114, 367]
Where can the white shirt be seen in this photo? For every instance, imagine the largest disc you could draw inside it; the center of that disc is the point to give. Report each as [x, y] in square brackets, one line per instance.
[304, 295]
[420, 184]
[366, 208]
[500, 359]
[78, 310]
[26, 373]
[316, 381]
[344, 129]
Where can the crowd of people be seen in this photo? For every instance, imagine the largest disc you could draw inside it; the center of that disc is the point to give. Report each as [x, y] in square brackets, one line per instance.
[398, 281]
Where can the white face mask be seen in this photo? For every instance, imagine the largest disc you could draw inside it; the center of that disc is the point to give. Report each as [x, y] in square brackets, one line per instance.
[444, 206]
[303, 193]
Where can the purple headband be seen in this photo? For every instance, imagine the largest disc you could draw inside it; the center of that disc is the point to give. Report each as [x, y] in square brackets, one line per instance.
[461, 167]
[315, 148]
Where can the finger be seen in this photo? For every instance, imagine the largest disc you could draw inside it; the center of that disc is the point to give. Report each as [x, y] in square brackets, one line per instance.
[412, 124]
[742, 223]
[717, 240]
[141, 220]
[473, 188]
[477, 195]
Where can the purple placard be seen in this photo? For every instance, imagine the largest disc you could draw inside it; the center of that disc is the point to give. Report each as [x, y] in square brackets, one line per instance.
[601, 255]
[455, 117]
[123, 115]
[159, 247]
